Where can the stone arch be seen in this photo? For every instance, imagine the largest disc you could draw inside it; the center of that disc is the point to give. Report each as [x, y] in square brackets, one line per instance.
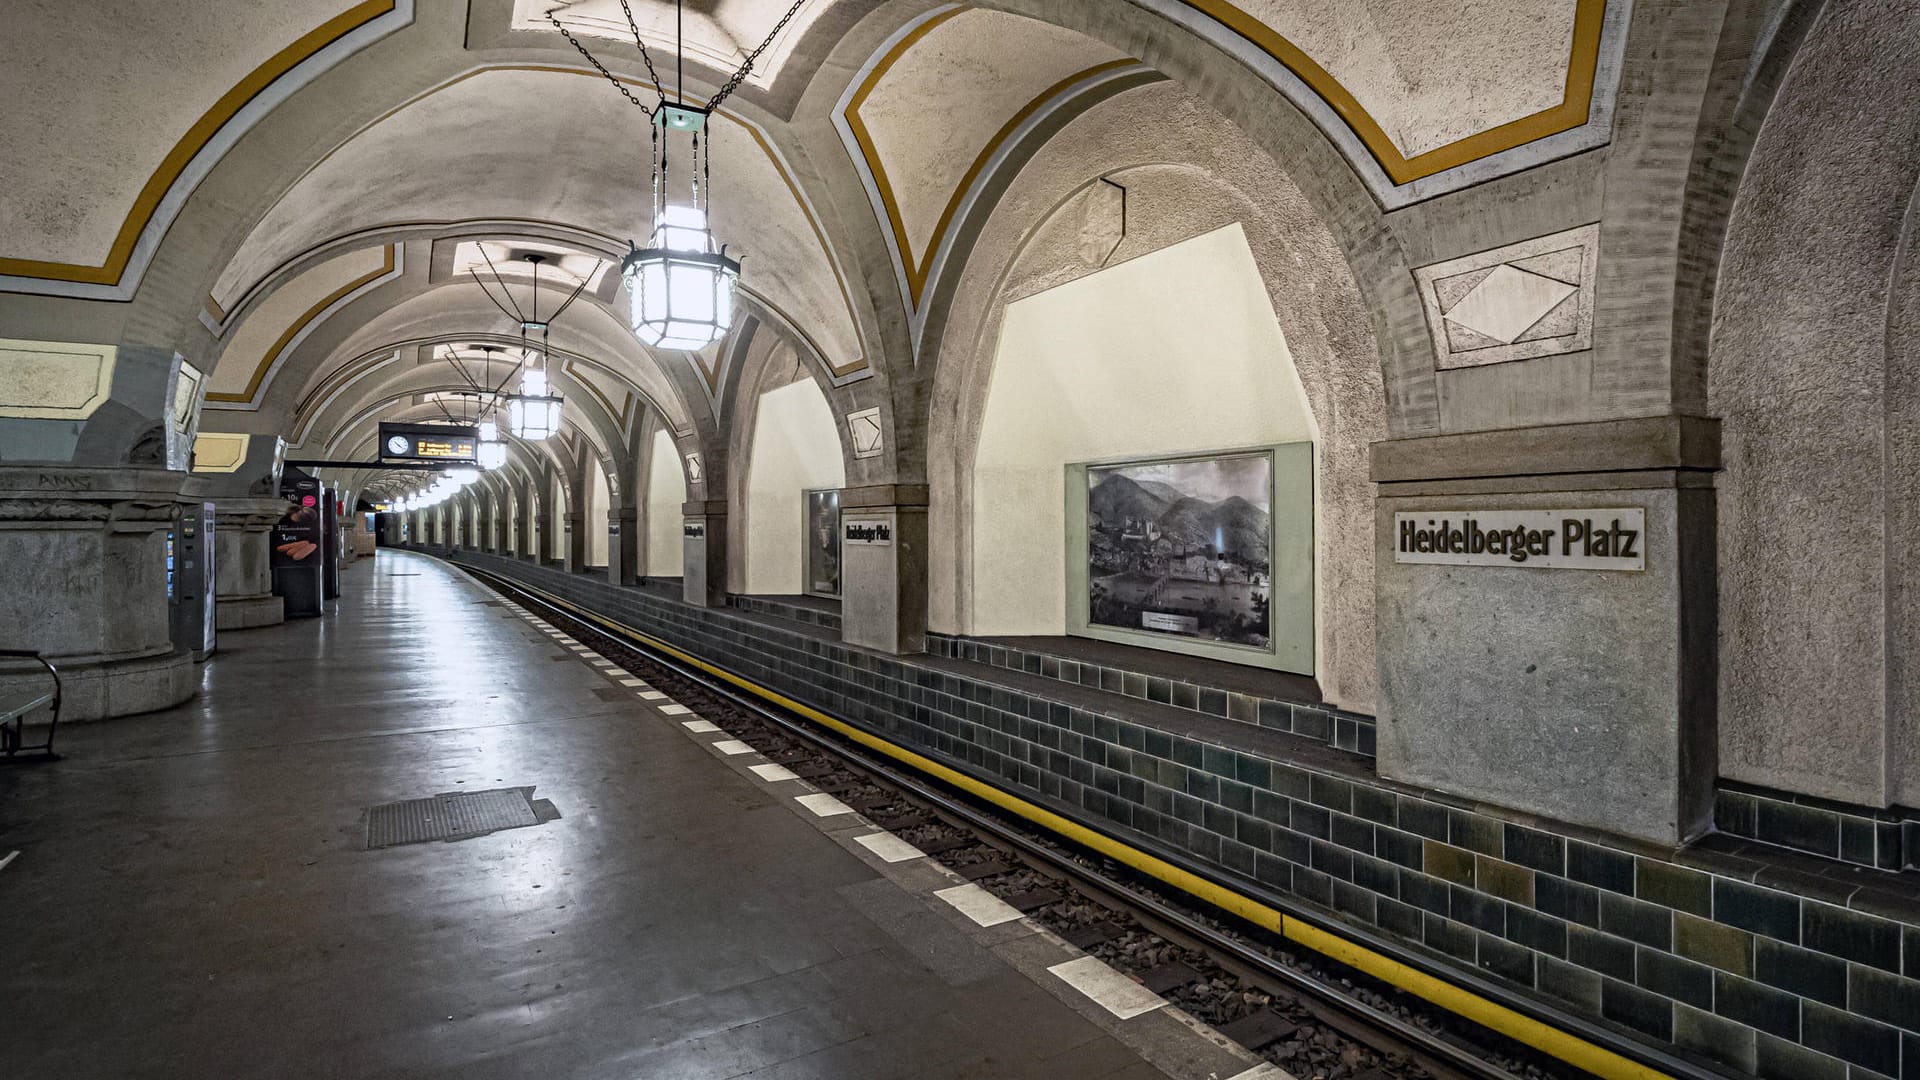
[1182, 186]
[1812, 371]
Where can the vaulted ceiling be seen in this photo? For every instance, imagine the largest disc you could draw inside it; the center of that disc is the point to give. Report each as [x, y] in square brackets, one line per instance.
[300, 196]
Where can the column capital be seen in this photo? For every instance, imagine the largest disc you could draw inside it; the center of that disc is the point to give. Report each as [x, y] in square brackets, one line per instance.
[1649, 444]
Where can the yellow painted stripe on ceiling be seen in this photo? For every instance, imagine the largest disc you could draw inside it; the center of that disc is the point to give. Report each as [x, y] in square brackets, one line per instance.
[919, 264]
[1572, 111]
[190, 145]
[266, 362]
[1546, 1038]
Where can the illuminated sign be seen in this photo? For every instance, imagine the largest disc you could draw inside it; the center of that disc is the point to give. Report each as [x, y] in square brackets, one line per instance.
[429, 442]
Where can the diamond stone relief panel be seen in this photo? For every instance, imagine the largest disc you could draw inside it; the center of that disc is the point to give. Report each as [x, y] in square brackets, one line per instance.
[864, 427]
[1530, 299]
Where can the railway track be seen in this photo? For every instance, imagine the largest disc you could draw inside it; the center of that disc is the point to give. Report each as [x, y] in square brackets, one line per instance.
[1312, 1017]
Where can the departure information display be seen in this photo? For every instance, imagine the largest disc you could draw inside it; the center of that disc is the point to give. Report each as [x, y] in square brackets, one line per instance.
[429, 442]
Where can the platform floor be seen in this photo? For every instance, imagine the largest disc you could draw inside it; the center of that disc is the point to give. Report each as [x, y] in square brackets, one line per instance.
[191, 896]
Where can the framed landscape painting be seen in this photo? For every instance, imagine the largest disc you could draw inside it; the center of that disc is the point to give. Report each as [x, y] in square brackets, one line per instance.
[823, 542]
[1210, 554]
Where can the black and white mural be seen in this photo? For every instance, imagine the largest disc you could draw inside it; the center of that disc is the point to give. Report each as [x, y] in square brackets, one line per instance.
[1183, 547]
[823, 542]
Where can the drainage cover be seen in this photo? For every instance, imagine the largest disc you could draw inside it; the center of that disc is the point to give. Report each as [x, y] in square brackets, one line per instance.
[454, 815]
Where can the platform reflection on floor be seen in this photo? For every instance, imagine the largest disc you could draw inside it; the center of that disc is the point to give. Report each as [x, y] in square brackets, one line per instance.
[193, 896]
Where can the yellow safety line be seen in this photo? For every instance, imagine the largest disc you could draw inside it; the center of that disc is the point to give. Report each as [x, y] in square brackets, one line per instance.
[1550, 1040]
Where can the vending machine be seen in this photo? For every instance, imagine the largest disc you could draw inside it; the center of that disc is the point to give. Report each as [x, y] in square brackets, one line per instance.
[190, 579]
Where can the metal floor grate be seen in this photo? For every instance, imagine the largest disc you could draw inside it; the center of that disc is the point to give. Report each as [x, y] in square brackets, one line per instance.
[454, 815]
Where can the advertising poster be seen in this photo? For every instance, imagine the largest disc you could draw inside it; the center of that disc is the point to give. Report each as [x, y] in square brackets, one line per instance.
[299, 545]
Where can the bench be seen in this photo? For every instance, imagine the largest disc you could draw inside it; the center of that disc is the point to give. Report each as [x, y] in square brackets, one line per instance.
[17, 705]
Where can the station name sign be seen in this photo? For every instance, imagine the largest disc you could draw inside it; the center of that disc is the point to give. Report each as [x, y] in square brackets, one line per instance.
[869, 533]
[1560, 539]
[694, 530]
[429, 442]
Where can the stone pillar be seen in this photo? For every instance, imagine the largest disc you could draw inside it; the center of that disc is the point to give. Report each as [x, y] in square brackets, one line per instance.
[545, 518]
[574, 533]
[704, 532]
[242, 563]
[1586, 695]
[623, 545]
[83, 580]
[522, 535]
[883, 567]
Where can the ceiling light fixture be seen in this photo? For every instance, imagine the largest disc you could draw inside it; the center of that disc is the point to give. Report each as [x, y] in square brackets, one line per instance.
[681, 284]
[534, 412]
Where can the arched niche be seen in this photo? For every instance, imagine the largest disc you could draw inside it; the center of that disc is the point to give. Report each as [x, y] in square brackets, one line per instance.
[666, 494]
[1257, 336]
[795, 447]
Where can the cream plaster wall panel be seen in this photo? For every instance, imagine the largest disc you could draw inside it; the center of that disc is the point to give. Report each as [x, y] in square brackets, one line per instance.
[249, 346]
[219, 452]
[666, 494]
[1533, 298]
[1207, 175]
[982, 67]
[1116, 365]
[598, 500]
[54, 380]
[1431, 72]
[91, 119]
[512, 126]
[719, 36]
[796, 446]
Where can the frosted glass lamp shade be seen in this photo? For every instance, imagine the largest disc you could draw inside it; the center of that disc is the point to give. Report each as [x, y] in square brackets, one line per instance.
[681, 287]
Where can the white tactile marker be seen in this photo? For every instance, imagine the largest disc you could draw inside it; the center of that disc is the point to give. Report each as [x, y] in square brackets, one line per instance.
[616, 672]
[675, 709]
[1108, 988]
[11, 855]
[651, 695]
[1263, 1071]
[889, 847]
[631, 681]
[732, 747]
[589, 654]
[773, 774]
[979, 905]
[700, 726]
[823, 804]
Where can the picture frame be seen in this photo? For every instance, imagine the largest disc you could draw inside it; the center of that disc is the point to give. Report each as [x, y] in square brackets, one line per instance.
[820, 534]
[1209, 554]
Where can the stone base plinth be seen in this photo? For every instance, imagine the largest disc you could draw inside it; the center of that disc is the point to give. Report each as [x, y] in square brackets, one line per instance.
[248, 612]
[95, 688]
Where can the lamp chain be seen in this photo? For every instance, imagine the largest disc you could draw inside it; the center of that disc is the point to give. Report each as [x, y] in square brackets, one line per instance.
[746, 68]
[601, 68]
[645, 56]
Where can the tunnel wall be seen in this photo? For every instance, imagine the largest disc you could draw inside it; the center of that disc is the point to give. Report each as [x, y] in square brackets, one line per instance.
[1700, 948]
